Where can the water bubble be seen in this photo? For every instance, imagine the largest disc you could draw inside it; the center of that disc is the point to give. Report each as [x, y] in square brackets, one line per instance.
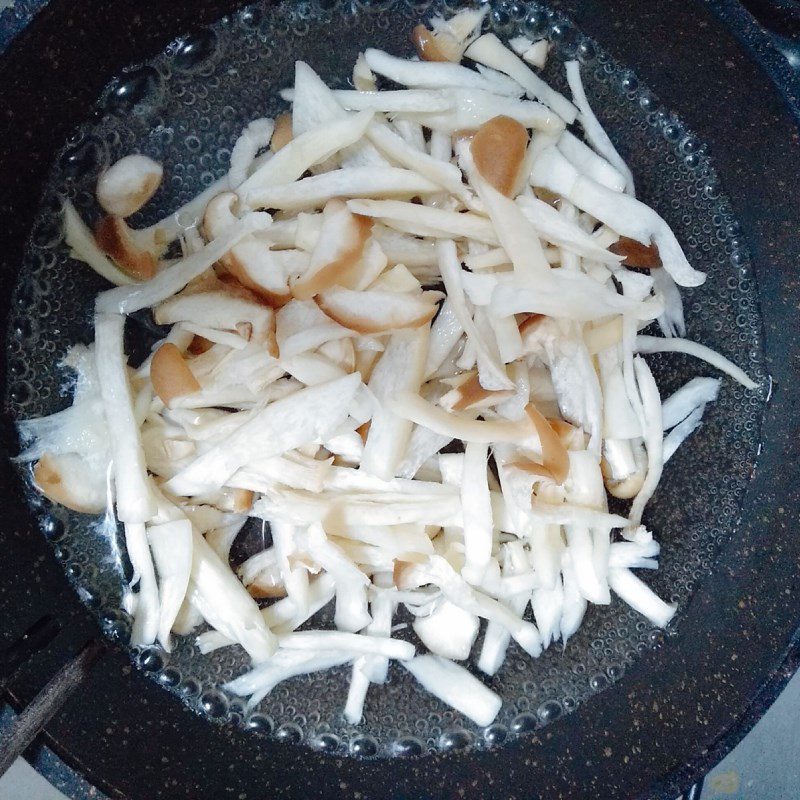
[260, 723]
[289, 733]
[151, 660]
[364, 746]
[133, 88]
[214, 703]
[191, 51]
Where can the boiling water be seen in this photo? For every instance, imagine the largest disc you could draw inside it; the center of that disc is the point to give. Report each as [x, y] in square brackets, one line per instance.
[185, 108]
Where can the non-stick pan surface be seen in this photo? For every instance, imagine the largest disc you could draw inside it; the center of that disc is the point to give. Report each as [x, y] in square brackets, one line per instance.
[678, 700]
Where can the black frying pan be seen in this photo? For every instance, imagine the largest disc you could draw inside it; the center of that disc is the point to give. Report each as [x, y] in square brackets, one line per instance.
[683, 702]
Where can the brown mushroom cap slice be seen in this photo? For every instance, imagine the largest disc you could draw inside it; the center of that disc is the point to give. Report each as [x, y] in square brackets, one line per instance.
[498, 149]
[170, 374]
[471, 395]
[282, 134]
[554, 454]
[338, 250]
[250, 262]
[115, 239]
[128, 184]
[66, 480]
[376, 311]
[435, 47]
[636, 254]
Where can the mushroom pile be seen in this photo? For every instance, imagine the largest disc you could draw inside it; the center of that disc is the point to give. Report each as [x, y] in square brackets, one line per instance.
[402, 333]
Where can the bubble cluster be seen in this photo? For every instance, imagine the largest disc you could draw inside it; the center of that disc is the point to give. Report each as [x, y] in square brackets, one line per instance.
[185, 109]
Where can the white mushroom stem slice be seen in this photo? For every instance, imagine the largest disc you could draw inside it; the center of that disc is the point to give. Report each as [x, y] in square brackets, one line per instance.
[83, 247]
[471, 108]
[225, 604]
[448, 631]
[301, 326]
[489, 50]
[339, 248]
[445, 332]
[405, 101]
[134, 500]
[536, 54]
[640, 597]
[353, 643]
[623, 213]
[567, 295]
[514, 232]
[171, 547]
[447, 175]
[285, 664]
[256, 135]
[171, 375]
[344, 510]
[375, 311]
[456, 686]
[317, 190]
[678, 435]
[491, 371]
[400, 369]
[115, 239]
[427, 221]
[128, 184]
[691, 396]
[586, 161]
[555, 228]
[126, 300]
[306, 415]
[304, 151]
[363, 78]
[547, 605]
[146, 616]
[413, 407]
[597, 137]
[69, 480]
[653, 344]
[653, 437]
[476, 507]
[433, 75]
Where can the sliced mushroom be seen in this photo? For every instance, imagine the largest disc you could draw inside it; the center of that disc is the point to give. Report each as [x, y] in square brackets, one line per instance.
[230, 308]
[554, 454]
[250, 262]
[498, 149]
[636, 254]
[337, 253]
[128, 184]
[242, 500]
[471, 395]
[116, 240]
[170, 374]
[375, 311]
[199, 345]
[66, 480]
[624, 467]
[340, 352]
[282, 134]
[433, 47]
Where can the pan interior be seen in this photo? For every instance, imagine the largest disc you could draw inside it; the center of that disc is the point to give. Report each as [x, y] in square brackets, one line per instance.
[185, 108]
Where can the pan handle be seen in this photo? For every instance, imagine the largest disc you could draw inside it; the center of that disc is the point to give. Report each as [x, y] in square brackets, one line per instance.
[47, 703]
